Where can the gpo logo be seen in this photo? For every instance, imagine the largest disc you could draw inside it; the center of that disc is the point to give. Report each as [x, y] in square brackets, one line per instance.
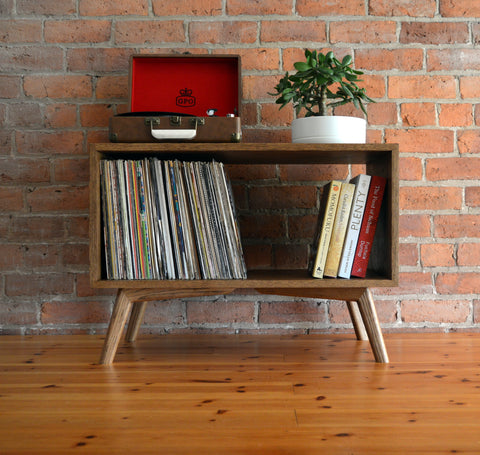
[185, 99]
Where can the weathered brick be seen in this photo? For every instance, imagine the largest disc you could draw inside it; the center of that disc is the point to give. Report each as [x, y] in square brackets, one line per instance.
[60, 115]
[109, 87]
[418, 114]
[458, 59]
[414, 225]
[262, 227]
[408, 254]
[10, 86]
[165, 312]
[456, 226]
[271, 197]
[24, 114]
[430, 198]
[470, 86]
[414, 283]
[72, 170]
[99, 60]
[436, 311]
[337, 8]
[468, 142]
[187, 7]
[75, 254]
[75, 312]
[302, 226]
[290, 312]
[225, 32]
[421, 140]
[58, 86]
[410, 8]
[46, 7]
[468, 254]
[18, 314]
[410, 168]
[38, 142]
[420, 87]
[434, 33]
[40, 256]
[287, 31]
[24, 170]
[77, 31]
[257, 257]
[20, 31]
[77, 227]
[363, 32]
[11, 199]
[25, 59]
[382, 114]
[459, 8]
[113, 7]
[38, 284]
[464, 168]
[11, 257]
[456, 115]
[270, 115]
[246, 172]
[220, 312]
[34, 228]
[258, 7]
[313, 173]
[58, 199]
[389, 59]
[95, 115]
[142, 32]
[290, 257]
[472, 196]
[437, 255]
[258, 87]
[457, 283]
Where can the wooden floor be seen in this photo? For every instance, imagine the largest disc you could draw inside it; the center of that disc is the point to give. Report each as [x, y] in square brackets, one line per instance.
[243, 394]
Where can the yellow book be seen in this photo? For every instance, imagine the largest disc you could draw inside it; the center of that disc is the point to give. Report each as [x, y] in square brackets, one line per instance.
[328, 208]
[339, 229]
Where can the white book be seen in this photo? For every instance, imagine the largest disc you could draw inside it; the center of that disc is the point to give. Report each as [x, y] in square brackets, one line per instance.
[362, 183]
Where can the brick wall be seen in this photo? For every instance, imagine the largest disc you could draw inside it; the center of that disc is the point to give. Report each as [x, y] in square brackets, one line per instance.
[64, 67]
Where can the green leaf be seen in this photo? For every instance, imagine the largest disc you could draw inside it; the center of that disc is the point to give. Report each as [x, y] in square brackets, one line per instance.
[302, 66]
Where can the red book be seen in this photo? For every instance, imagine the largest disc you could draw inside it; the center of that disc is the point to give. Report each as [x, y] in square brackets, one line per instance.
[369, 225]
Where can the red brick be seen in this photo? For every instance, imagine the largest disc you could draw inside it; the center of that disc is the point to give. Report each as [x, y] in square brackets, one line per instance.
[262, 227]
[457, 226]
[259, 135]
[165, 312]
[415, 283]
[247, 172]
[472, 196]
[410, 168]
[302, 226]
[287, 31]
[464, 59]
[11, 199]
[258, 87]
[75, 313]
[414, 225]
[257, 257]
[46, 7]
[459, 8]
[41, 256]
[20, 59]
[46, 229]
[418, 114]
[143, 32]
[5, 143]
[11, 257]
[430, 198]
[113, 7]
[220, 312]
[290, 312]
[187, 7]
[313, 173]
[437, 311]
[382, 114]
[468, 142]
[338, 312]
[24, 170]
[10, 86]
[282, 197]
[476, 311]
[112, 87]
[470, 86]
[374, 85]
[468, 254]
[38, 284]
[408, 254]
[419, 87]
[412, 8]
[38, 142]
[58, 86]
[458, 283]
[259, 8]
[95, 115]
[363, 32]
[77, 31]
[290, 257]
[270, 115]
[26, 115]
[464, 168]
[434, 33]
[58, 198]
[225, 32]
[21, 31]
[456, 115]
[99, 59]
[72, 170]
[389, 59]
[77, 227]
[75, 254]
[337, 8]
[421, 140]
[258, 59]
[437, 255]
[18, 314]
[60, 115]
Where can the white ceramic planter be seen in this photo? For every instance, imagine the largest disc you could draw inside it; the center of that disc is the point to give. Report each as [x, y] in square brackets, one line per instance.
[329, 130]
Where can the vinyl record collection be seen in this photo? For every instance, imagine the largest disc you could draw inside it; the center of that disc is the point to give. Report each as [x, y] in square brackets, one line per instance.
[167, 219]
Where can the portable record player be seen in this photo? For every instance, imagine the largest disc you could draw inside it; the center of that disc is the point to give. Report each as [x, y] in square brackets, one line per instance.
[181, 98]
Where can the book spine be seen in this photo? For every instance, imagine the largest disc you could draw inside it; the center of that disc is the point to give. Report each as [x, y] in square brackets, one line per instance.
[328, 213]
[339, 229]
[362, 183]
[369, 226]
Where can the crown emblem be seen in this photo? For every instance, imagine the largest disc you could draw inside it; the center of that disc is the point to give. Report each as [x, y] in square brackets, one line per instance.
[185, 99]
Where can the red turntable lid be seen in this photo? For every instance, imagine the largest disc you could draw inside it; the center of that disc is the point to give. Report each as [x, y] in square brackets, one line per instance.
[187, 84]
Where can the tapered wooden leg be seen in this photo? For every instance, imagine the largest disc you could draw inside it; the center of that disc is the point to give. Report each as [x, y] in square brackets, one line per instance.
[372, 326]
[358, 326]
[118, 320]
[136, 319]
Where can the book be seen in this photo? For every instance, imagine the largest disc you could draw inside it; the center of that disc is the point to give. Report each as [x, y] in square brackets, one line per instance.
[362, 183]
[328, 207]
[339, 229]
[369, 226]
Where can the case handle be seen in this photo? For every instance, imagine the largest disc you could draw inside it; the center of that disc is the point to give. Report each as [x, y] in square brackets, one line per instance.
[165, 134]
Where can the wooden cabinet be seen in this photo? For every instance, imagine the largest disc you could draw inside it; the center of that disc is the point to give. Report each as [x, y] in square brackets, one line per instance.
[377, 159]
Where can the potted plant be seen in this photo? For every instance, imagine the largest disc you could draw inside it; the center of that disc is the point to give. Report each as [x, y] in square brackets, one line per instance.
[321, 84]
